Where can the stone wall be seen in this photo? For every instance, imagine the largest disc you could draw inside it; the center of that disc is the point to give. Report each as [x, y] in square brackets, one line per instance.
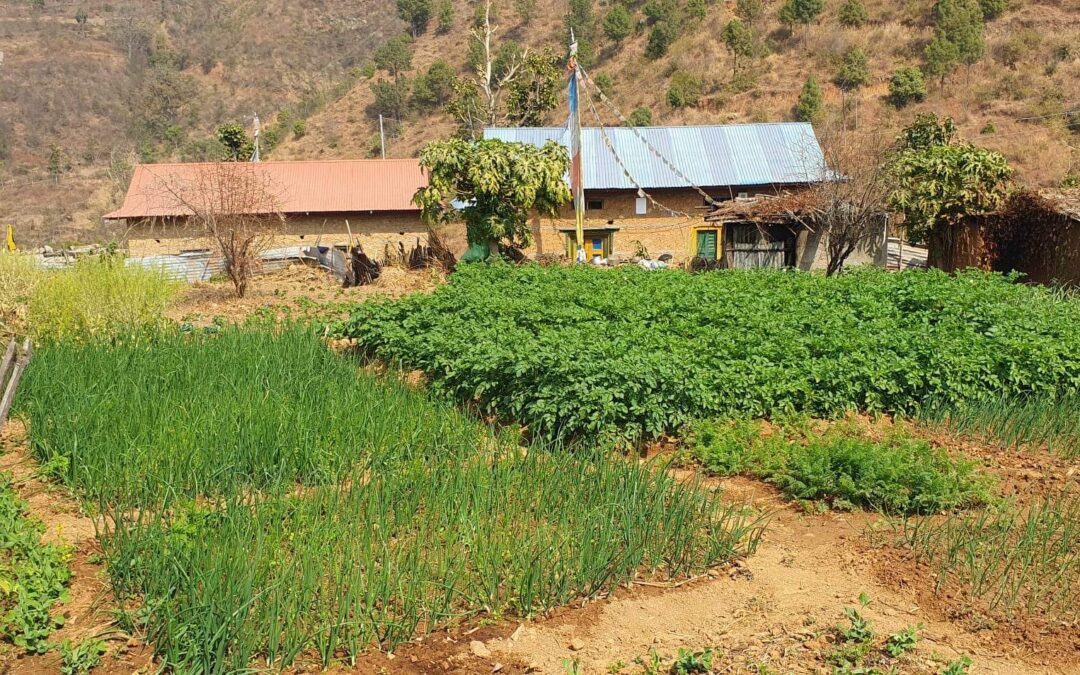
[374, 231]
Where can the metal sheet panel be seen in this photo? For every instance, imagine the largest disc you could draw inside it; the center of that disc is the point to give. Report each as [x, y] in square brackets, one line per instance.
[709, 156]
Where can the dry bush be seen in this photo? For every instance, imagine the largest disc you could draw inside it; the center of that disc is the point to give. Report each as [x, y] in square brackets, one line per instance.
[238, 208]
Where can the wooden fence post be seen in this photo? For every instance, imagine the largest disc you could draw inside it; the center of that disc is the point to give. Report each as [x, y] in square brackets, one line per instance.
[13, 380]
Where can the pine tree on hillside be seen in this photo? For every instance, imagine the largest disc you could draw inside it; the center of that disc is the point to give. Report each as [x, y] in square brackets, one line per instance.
[961, 22]
[739, 41]
[750, 11]
[854, 71]
[582, 20]
[853, 14]
[802, 12]
[416, 13]
[808, 109]
[618, 24]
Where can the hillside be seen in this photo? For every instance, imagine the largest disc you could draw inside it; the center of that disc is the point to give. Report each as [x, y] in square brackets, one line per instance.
[127, 80]
[1031, 69]
[89, 86]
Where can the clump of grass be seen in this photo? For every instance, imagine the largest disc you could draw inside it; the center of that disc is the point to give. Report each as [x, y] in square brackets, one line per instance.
[99, 298]
[1015, 422]
[842, 466]
[1013, 560]
[18, 276]
[265, 501]
[33, 575]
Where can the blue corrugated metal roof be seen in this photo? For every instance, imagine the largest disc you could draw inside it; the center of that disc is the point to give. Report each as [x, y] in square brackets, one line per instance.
[710, 156]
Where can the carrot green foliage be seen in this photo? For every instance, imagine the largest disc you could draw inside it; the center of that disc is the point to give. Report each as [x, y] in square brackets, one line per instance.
[581, 351]
[843, 466]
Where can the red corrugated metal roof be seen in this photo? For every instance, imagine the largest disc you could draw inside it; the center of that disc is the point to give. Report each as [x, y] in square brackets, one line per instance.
[298, 187]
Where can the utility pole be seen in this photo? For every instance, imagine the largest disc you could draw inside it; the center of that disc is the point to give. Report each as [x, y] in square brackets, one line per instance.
[577, 185]
[382, 138]
[256, 155]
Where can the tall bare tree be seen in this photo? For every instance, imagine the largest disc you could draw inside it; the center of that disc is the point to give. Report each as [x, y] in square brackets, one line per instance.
[490, 82]
[851, 198]
[237, 207]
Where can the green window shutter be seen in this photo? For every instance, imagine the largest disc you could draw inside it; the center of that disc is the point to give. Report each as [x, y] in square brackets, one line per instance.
[706, 244]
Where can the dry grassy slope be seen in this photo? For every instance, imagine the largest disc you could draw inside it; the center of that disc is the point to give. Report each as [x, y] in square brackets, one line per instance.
[1042, 150]
[71, 86]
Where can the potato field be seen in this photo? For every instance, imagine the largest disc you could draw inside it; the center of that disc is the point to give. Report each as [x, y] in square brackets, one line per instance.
[593, 471]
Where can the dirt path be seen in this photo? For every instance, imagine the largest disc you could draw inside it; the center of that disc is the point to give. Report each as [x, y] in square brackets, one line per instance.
[87, 615]
[774, 611]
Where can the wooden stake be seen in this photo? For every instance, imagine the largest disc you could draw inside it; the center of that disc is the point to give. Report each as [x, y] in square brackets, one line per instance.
[13, 383]
[6, 362]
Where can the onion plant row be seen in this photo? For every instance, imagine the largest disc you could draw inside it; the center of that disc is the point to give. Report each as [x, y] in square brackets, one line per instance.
[1011, 559]
[1053, 423]
[572, 351]
[144, 422]
[267, 504]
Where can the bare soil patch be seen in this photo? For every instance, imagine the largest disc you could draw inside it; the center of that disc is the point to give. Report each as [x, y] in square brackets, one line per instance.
[293, 291]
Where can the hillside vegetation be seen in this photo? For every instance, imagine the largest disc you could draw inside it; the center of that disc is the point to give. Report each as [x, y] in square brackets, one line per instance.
[118, 82]
[1030, 68]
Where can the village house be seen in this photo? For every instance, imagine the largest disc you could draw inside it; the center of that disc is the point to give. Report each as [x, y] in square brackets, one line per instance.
[637, 203]
[325, 203]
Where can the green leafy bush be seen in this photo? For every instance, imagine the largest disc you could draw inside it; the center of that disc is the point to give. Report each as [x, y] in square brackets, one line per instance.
[684, 91]
[571, 350]
[33, 576]
[906, 85]
[80, 659]
[842, 466]
[99, 298]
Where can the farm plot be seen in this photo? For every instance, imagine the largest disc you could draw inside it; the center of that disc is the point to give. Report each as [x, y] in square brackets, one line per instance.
[267, 504]
[580, 351]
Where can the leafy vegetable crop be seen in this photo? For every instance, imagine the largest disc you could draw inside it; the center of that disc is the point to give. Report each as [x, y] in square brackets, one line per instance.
[579, 350]
[843, 466]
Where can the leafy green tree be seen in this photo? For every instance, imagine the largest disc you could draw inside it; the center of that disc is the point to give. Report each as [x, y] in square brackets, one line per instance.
[59, 162]
[926, 131]
[660, 38]
[236, 144]
[445, 15]
[395, 56]
[496, 185]
[750, 11]
[696, 10]
[416, 13]
[808, 108]
[803, 12]
[937, 185]
[433, 88]
[467, 107]
[619, 23]
[605, 84]
[853, 14]
[582, 20]
[906, 86]
[854, 70]
[961, 23]
[640, 117]
[391, 98]
[164, 98]
[684, 90]
[81, 17]
[526, 10]
[535, 90]
[992, 9]
[942, 57]
[739, 41]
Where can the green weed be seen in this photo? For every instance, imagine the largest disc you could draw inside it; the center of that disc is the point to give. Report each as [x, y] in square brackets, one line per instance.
[903, 641]
[1025, 422]
[958, 667]
[33, 576]
[80, 659]
[690, 662]
[842, 465]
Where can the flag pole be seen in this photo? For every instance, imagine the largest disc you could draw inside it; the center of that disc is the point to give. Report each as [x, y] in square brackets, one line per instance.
[576, 177]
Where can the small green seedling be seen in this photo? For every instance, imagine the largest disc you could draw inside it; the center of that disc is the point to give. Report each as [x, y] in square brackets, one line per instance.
[571, 667]
[860, 630]
[651, 665]
[958, 667]
[616, 667]
[80, 659]
[903, 641]
[690, 662]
